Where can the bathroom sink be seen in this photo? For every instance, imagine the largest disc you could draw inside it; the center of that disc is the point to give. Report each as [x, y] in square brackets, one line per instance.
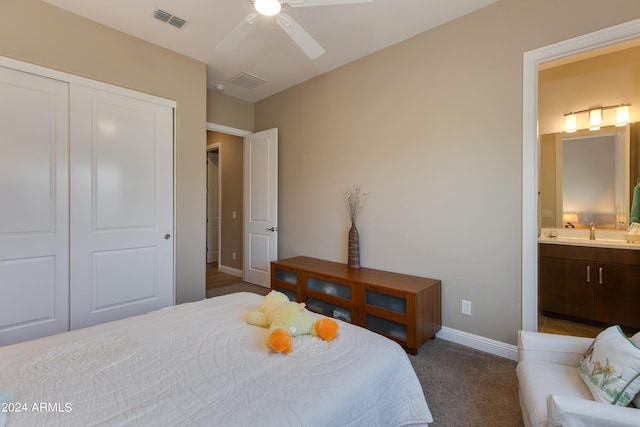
[580, 237]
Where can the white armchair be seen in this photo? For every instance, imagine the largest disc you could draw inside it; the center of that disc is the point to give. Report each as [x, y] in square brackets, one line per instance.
[551, 391]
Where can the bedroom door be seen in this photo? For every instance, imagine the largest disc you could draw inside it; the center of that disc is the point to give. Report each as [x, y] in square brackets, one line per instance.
[260, 205]
[34, 263]
[121, 211]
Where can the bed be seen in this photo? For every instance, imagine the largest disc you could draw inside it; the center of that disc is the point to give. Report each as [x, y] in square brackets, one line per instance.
[201, 364]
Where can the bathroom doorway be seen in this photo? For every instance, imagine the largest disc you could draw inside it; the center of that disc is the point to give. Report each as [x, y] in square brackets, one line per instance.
[213, 204]
[224, 204]
[606, 37]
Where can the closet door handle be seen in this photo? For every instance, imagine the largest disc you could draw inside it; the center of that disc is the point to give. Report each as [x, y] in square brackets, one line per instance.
[588, 274]
[600, 276]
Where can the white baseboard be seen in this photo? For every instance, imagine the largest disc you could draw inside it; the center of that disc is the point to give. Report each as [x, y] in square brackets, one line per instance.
[487, 345]
[229, 270]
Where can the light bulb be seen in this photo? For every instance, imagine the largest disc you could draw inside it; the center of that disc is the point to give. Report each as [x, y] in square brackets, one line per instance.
[622, 115]
[595, 119]
[570, 122]
[267, 7]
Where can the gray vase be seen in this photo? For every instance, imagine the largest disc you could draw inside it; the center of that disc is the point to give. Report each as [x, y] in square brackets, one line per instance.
[354, 247]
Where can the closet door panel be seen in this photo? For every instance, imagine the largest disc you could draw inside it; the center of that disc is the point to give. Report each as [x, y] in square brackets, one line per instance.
[121, 206]
[34, 276]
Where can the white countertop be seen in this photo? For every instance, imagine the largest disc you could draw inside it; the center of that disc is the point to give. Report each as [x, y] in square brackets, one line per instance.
[580, 237]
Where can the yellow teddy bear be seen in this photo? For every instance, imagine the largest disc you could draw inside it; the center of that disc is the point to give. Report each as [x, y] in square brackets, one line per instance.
[285, 319]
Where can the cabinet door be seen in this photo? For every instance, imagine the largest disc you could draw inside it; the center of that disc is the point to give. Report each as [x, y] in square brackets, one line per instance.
[286, 281]
[566, 287]
[34, 234]
[388, 313]
[121, 205]
[617, 294]
[328, 308]
[330, 297]
[330, 287]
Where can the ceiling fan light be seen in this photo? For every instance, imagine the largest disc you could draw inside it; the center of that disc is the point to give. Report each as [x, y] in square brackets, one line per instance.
[267, 7]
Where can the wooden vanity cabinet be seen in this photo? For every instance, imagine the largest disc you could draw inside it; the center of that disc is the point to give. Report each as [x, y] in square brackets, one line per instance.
[600, 285]
[566, 287]
[617, 293]
[404, 308]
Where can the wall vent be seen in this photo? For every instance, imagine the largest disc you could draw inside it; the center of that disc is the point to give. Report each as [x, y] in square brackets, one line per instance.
[247, 80]
[169, 18]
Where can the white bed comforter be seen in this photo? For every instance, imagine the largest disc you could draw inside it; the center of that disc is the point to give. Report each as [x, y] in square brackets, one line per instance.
[200, 364]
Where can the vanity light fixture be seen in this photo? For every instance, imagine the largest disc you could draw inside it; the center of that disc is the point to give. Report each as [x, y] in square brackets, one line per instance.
[595, 117]
[268, 7]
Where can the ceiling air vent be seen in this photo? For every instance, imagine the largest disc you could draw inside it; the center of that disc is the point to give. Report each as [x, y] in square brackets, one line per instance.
[167, 17]
[176, 22]
[247, 80]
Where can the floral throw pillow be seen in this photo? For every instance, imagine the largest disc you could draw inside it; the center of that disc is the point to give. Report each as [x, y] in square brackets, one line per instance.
[611, 367]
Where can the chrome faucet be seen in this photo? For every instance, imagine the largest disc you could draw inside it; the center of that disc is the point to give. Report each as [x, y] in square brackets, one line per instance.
[592, 232]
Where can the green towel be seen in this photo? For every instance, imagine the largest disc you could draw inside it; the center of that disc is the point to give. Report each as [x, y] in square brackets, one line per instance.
[634, 216]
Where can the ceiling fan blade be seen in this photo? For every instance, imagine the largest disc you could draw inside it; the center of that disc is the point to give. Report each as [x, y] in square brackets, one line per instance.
[300, 36]
[307, 3]
[238, 33]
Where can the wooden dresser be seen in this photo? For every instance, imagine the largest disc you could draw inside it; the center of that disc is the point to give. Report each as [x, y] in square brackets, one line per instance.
[404, 308]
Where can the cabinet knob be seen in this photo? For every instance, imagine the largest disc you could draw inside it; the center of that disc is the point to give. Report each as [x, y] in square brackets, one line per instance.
[588, 274]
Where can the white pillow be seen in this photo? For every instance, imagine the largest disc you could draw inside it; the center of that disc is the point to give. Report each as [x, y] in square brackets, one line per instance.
[611, 367]
[636, 340]
[5, 397]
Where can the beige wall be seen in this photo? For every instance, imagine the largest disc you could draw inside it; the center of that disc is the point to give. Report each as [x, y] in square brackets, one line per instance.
[432, 129]
[229, 111]
[38, 33]
[230, 161]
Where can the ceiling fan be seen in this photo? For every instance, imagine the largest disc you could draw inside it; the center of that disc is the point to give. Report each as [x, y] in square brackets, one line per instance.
[275, 7]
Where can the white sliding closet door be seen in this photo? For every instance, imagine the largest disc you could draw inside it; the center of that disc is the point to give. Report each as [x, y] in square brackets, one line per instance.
[121, 215]
[33, 206]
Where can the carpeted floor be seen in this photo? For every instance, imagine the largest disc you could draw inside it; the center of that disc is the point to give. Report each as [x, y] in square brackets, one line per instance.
[467, 388]
[463, 387]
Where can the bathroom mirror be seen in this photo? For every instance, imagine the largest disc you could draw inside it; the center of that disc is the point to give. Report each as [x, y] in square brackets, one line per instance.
[588, 176]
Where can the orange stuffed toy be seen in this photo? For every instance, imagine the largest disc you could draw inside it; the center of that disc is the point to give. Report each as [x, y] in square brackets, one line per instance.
[286, 319]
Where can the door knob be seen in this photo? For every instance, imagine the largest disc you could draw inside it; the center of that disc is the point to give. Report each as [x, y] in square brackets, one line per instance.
[167, 236]
[272, 229]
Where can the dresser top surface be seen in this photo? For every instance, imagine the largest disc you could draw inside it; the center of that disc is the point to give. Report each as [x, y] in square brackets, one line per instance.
[361, 275]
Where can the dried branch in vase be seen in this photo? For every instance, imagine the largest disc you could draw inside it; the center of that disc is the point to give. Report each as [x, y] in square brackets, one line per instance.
[355, 201]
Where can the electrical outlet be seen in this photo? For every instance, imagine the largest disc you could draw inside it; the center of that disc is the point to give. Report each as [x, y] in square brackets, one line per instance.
[466, 307]
[233, 255]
